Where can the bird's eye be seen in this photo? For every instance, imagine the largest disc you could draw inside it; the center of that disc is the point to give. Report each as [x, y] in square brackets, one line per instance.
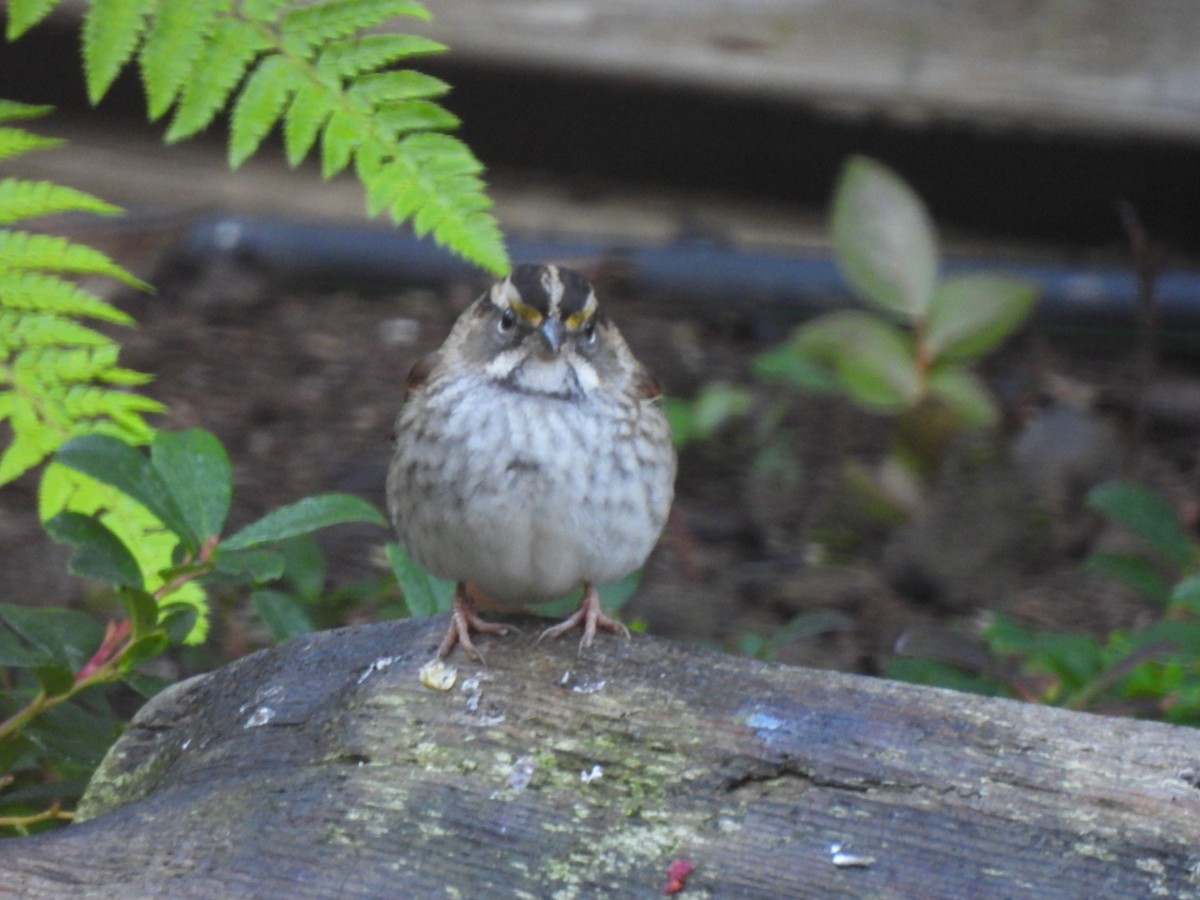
[589, 331]
[508, 319]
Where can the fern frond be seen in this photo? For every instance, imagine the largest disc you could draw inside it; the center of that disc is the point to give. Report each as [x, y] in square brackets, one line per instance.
[41, 292]
[313, 69]
[24, 329]
[233, 47]
[389, 87]
[397, 119]
[112, 31]
[339, 141]
[265, 11]
[259, 106]
[306, 27]
[20, 199]
[15, 141]
[11, 109]
[310, 110]
[24, 14]
[177, 39]
[22, 250]
[370, 52]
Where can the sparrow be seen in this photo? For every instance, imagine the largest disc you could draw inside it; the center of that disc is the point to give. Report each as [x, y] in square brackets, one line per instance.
[532, 456]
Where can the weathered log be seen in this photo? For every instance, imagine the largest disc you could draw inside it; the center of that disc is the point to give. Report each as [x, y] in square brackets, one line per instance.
[324, 767]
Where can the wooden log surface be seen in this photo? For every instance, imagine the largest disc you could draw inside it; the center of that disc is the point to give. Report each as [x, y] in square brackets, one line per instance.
[325, 768]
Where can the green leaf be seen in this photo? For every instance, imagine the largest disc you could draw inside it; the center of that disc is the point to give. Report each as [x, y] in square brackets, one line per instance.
[98, 553]
[11, 109]
[143, 649]
[178, 35]
[257, 563]
[178, 621]
[309, 111]
[305, 516]
[24, 14]
[1186, 594]
[234, 46]
[22, 199]
[142, 610]
[145, 685]
[61, 635]
[317, 23]
[75, 738]
[972, 314]
[114, 462]
[1134, 571]
[615, 594]
[304, 566]
[388, 87]
[792, 365]
[1145, 514]
[424, 594]
[196, 470]
[16, 141]
[46, 252]
[872, 359]
[112, 30]
[883, 239]
[368, 52]
[55, 680]
[15, 652]
[964, 393]
[716, 404]
[259, 106]
[284, 614]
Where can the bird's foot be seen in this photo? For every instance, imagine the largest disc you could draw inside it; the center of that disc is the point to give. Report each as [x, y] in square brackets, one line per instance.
[464, 620]
[592, 617]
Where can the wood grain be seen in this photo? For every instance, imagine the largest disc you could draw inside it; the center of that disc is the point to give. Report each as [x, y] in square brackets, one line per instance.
[325, 768]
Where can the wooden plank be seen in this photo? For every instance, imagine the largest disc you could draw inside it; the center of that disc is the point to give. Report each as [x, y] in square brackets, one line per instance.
[324, 767]
[1090, 65]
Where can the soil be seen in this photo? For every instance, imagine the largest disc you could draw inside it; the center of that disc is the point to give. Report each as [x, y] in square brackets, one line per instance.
[767, 550]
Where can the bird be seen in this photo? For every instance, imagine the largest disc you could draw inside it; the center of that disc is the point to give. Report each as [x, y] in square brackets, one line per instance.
[531, 456]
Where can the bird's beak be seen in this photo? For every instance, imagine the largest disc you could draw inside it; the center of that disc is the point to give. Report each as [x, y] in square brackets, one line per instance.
[552, 332]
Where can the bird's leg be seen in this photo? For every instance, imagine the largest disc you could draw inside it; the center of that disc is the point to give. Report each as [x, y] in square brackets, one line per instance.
[592, 617]
[464, 620]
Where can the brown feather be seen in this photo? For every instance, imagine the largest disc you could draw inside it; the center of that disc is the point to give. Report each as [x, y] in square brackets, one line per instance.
[419, 373]
[645, 385]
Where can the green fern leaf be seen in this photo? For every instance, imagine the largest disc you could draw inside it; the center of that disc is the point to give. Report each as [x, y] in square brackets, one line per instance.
[306, 27]
[22, 329]
[259, 106]
[15, 141]
[11, 109]
[175, 42]
[265, 11]
[122, 407]
[366, 53]
[338, 142]
[387, 87]
[49, 253]
[40, 292]
[225, 59]
[396, 119]
[112, 30]
[310, 110]
[24, 14]
[21, 199]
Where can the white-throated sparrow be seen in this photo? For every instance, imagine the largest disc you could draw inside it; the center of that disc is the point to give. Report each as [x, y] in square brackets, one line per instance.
[531, 455]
